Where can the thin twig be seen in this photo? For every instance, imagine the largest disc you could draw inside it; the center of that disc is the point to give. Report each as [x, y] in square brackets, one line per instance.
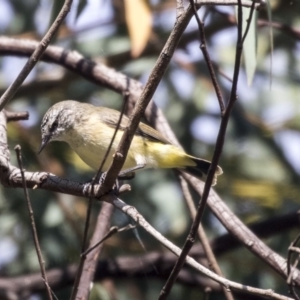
[83, 248]
[90, 261]
[33, 226]
[249, 20]
[16, 116]
[124, 107]
[203, 47]
[203, 237]
[112, 231]
[258, 4]
[36, 55]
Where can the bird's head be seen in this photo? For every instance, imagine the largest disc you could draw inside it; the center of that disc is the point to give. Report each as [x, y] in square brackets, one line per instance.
[56, 122]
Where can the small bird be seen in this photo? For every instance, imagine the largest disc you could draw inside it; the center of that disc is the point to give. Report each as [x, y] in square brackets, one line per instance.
[88, 130]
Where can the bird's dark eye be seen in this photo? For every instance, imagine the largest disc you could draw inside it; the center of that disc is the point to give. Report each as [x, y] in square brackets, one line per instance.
[54, 125]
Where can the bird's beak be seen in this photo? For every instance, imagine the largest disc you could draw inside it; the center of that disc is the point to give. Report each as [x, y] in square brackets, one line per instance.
[44, 143]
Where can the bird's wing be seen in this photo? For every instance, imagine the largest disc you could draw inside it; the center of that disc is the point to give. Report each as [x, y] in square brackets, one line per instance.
[111, 118]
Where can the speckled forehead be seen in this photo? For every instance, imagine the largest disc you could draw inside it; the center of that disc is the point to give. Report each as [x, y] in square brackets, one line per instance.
[65, 116]
[45, 121]
[46, 118]
[60, 112]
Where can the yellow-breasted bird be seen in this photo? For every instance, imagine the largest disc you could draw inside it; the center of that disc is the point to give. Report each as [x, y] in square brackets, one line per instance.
[88, 130]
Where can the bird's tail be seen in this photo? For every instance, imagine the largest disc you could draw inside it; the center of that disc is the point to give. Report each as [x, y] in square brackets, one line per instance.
[201, 169]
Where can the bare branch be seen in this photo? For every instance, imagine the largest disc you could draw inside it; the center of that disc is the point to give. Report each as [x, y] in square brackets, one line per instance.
[137, 217]
[16, 116]
[241, 232]
[36, 55]
[88, 262]
[203, 237]
[206, 56]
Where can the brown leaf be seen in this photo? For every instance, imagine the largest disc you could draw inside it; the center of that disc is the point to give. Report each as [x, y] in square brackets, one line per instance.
[139, 20]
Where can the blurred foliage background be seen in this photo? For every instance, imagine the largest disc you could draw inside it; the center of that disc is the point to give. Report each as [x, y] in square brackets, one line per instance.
[261, 154]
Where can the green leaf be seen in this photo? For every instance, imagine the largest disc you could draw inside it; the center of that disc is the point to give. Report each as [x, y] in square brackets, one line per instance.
[250, 43]
[269, 10]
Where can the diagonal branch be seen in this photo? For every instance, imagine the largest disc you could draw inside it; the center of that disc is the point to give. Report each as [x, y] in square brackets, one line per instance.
[33, 226]
[36, 55]
[88, 265]
[236, 227]
[145, 97]
[203, 237]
